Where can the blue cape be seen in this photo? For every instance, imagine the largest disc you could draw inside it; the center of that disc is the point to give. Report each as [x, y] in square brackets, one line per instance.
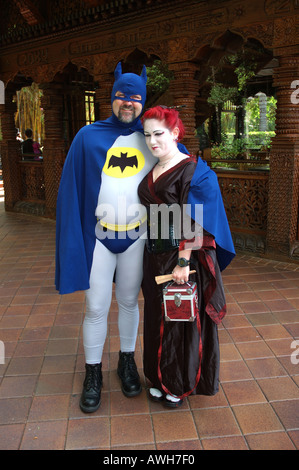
[204, 189]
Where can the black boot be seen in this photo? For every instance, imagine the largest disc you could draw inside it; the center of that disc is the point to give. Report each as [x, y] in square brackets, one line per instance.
[91, 395]
[127, 372]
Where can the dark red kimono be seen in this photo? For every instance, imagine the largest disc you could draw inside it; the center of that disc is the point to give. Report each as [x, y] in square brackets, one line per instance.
[187, 347]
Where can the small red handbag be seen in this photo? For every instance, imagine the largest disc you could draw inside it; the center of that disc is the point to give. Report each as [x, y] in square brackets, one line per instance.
[180, 301]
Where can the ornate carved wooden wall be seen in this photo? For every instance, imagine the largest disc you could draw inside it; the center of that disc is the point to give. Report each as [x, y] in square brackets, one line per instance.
[189, 37]
[245, 197]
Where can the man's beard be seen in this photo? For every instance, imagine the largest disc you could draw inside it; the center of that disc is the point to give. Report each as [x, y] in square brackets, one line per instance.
[126, 119]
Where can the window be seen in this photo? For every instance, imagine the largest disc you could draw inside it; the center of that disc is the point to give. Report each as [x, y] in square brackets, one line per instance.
[89, 107]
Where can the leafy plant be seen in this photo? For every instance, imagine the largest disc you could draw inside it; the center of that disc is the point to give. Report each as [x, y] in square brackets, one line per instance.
[259, 140]
[253, 113]
[158, 77]
[229, 150]
[244, 69]
[219, 94]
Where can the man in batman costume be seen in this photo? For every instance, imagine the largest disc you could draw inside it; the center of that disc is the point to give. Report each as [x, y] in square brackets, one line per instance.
[100, 225]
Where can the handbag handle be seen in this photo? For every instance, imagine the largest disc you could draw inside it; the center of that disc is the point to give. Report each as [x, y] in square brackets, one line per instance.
[167, 277]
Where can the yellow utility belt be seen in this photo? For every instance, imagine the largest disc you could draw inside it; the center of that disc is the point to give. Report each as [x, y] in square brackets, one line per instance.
[125, 227]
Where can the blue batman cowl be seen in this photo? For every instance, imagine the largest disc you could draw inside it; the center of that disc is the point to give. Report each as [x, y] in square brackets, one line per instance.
[129, 84]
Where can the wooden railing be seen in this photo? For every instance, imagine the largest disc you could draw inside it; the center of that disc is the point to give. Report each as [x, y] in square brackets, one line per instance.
[32, 182]
[247, 165]
[245, 197]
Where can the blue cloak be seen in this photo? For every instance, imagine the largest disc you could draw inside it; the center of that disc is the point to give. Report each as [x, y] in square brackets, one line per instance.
[204, 189]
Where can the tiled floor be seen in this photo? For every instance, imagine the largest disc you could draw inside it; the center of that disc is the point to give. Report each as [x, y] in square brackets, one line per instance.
[40, 382]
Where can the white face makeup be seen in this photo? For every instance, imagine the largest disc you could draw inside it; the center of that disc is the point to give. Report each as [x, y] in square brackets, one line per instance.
[159, 139]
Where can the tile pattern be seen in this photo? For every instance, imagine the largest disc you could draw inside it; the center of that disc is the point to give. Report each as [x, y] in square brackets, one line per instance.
[257, 406]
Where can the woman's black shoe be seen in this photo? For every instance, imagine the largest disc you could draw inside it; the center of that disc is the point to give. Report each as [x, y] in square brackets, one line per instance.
[158, 399]
[128, 374]
[172, 404]
[91, 395]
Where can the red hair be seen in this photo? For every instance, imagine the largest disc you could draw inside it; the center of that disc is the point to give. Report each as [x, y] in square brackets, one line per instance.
[169, 115]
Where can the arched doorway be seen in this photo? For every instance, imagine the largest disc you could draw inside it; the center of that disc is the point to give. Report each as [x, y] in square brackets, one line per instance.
[243, 177]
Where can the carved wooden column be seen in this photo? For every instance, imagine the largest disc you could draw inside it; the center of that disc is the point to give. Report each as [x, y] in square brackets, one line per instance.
[284, 162]
[54, 152]
[184, 89]
[103, 95]
[10, 151]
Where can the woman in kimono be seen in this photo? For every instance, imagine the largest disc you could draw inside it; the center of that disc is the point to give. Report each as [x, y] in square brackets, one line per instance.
[180, 357]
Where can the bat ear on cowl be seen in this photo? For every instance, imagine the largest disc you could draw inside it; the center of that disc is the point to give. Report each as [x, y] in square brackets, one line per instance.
[143, 74]
[118, 71]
